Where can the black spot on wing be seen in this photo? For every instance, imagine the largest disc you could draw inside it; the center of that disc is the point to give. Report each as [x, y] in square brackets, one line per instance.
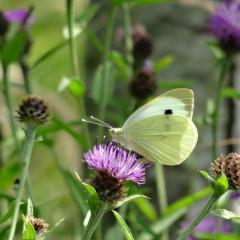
[168, 112]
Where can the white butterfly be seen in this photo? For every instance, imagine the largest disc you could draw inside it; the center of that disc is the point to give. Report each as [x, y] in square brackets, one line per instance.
[161, 130]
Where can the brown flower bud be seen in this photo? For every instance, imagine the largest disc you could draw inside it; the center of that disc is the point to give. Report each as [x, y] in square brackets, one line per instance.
[33, 109]
[230, 166]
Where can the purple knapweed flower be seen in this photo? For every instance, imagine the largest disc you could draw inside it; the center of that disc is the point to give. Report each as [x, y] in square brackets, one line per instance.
[209, 225]
[21, 16]
[224, 24]
[117, 162]
[114, 166]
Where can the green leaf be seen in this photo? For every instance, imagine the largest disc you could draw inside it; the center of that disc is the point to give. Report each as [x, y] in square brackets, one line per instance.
[207, 176]
[178, 83]
[97, 87]
[78, 137]
[75, 86]
[163, 63]
[7, 175]
[187, 201]
[140, 2]
[29, 232]
[226, 214]
[127, 199]
[8, 214]
[123, 225]
[221, 185]
[146, 208]
[29, 208]
[78, 191]
[164, 223]
[218, 236]
[48, 54]
[13, 49]
[216, 50]
[231, 93]
[93, 200]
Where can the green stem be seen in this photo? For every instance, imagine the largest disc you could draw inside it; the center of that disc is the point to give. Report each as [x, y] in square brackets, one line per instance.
[162, 195]
[217, 107]
[201, 215]
[6, 93]
[93, 222]
[105, 77]
[25, 160]
[74, 62]
[25, 73]
[127, 30]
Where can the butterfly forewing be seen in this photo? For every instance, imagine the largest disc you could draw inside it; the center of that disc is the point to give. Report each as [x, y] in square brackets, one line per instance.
[177, 101]
[168, 140]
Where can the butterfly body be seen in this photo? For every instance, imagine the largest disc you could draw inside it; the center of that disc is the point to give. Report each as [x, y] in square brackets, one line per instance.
[161, 130]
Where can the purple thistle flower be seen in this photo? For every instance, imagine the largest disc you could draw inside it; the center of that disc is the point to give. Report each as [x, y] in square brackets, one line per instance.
[116, 162]
[21, 16]
[208, 225]
[225, 24]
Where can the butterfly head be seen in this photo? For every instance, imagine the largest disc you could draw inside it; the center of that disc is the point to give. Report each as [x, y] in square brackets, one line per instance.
[117, 134]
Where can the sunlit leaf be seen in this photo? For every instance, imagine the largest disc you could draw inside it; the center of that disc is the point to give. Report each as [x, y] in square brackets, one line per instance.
[163, 63]
[29, 208]
[226, 214]
[126, 230]
[127, 199]
[29, 232]
[217, 236]
[221, 184]
[231, 92]
[207, 176]
[93, 199]
[146, 208]
[187, 201]
[216, 50]
[75, 86]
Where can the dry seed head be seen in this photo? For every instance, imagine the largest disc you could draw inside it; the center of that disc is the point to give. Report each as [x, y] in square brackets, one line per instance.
[39, 225]
[33, 109]
[230, 166]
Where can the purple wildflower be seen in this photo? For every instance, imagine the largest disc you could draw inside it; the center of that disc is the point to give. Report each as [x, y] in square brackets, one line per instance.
[225, 24]
[21, 16]
[208, 225]
[116, 162]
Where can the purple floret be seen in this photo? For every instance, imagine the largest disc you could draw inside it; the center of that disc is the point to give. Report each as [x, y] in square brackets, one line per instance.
[117, 162]
[20, 16]
[225, 23]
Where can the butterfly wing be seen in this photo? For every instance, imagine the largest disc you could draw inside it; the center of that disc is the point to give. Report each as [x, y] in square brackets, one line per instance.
[165, 139]
[180, 101]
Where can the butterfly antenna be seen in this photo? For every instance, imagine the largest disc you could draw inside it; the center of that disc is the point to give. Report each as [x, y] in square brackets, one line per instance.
[96, 123]
[100, 121]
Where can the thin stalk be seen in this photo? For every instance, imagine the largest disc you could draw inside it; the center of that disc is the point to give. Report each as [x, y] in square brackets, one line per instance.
[107, 47]
[25, 160]
[127, 30]
[93, 222]
[217, 107]
[162, 194]
[6, 93]
[201, 215]
[231, 109]
[74, 62]
[25, 73]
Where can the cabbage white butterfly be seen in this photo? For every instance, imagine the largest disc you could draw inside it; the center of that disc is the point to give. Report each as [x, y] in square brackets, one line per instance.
[162, 130]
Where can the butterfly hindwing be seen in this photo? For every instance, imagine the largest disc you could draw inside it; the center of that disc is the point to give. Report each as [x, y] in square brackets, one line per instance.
[165, 139]
[180, 101]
